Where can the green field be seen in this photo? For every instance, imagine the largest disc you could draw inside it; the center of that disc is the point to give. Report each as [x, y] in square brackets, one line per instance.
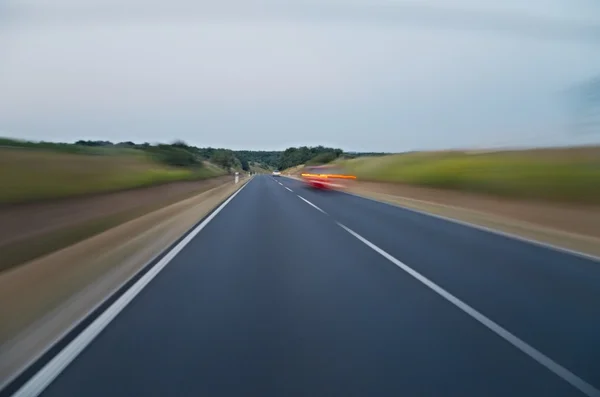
[36, 174]
[565, 174]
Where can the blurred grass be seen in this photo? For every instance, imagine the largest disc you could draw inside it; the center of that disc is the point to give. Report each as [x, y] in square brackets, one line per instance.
[563, 174]
[24, 251]
[32, 175]
[31, 248]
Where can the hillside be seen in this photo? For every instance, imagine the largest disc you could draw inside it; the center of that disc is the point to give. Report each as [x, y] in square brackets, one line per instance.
[33, 172]
[561, 174]
[258, 168]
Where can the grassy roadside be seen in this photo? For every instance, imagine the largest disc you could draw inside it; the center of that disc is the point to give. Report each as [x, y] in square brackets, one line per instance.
[33, 175]
[293, 170]
[28, 249]
[254, 167]
[560, 175]
[46, 296]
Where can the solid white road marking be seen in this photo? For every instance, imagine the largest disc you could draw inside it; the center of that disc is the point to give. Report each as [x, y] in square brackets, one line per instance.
[311, 204]
[538, 356]
[289, 189]
[54, 367]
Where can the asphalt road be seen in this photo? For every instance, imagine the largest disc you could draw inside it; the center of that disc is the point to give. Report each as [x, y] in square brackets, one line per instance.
[275, 298]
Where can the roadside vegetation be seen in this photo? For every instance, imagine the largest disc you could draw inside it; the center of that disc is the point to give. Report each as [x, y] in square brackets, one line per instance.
[293, 170]
[561, 174]
[33, 172]
[266, 160]
[292, 157]
[27, 176]
[259, 168]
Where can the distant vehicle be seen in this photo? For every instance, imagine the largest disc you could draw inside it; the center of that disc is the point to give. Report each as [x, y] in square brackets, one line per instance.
[325, 177]
[276, 173]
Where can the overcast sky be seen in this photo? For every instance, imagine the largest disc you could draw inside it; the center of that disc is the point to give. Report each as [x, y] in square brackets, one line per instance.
[366, 75]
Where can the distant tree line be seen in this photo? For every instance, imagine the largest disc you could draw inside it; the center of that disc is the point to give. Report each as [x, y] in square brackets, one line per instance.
[180, 154]
[261, 158]
[293, 156]
[351, 155]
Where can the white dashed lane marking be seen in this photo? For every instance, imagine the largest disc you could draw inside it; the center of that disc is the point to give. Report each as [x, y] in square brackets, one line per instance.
[311, 204]
[532, 352]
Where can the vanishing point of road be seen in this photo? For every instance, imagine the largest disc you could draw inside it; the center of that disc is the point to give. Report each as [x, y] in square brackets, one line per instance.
[285, 291]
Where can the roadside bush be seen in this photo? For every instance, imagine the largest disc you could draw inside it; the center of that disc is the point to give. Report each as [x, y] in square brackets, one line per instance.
[322, 158]
[225, 159]
[174, 156]
[562, 174]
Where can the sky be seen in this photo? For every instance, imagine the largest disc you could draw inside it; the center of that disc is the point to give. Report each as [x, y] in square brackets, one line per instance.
[361, 75]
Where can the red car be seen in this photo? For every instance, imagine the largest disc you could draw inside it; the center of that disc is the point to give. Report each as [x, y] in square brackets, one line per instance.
[325, 177]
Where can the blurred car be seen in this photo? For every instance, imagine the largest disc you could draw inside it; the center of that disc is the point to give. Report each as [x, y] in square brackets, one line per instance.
[276, 173]
[325, 177]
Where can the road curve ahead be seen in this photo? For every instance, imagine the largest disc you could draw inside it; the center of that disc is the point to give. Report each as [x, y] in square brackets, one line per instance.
[292, 292]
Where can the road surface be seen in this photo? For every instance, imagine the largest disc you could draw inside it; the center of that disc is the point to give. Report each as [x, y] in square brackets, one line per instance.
[293, 292]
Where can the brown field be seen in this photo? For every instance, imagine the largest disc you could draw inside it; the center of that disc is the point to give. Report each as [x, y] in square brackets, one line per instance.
[30, 230]
[44, 297]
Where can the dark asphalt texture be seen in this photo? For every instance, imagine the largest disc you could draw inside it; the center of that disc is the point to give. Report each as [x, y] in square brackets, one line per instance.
[274, 298]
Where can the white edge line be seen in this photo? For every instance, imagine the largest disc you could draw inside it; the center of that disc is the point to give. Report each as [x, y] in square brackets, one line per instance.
[486, 229]
[54, 367]
[535, 354]
[289, 189]
[311, 204]
[75, 324]
[86, 315]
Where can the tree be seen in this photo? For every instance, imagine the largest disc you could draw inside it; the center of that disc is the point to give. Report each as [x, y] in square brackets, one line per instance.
[93, 143]
[180, 144]
[269, 159]
[245, 165]
[224, 158]
[322, 158]
[174, 156]
[292, 157]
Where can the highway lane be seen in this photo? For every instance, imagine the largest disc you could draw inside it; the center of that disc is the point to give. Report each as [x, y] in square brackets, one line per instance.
[274, 298]
[546, 297]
